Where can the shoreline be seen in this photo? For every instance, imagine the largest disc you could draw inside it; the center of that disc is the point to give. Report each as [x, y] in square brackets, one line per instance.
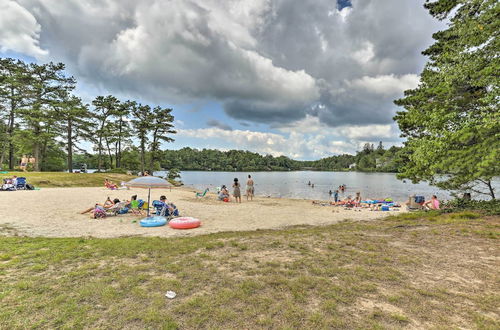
[53, 212]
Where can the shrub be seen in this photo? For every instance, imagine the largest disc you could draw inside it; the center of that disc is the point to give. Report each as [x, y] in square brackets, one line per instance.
[491, 207]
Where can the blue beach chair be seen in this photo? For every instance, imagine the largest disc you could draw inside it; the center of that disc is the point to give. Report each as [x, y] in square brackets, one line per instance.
[162, 209]
[21, 183]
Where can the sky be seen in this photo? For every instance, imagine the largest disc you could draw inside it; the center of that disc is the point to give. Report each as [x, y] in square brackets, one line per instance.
[302, 78]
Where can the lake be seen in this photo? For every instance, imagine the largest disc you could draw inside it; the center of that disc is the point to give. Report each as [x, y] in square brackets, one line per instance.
[293, 184]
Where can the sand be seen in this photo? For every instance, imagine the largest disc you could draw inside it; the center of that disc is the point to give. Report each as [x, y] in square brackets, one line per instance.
[53, 212]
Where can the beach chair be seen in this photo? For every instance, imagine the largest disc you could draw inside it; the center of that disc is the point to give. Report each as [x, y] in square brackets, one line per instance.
[201, 194]
[118, 208]
[136, 206]
[162, 209]
[415, 203]
[21, 183]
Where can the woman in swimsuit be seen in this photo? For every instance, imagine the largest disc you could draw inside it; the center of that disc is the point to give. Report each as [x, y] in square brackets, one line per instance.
[250, 188]
[433, 204]
[236, 190]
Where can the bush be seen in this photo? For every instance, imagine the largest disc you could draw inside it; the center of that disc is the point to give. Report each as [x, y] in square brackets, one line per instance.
[491, 207]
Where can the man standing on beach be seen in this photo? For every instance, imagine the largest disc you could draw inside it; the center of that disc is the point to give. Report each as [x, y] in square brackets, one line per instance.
[250, 188]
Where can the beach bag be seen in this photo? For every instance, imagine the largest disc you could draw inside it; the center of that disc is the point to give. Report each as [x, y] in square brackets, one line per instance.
[30, 187]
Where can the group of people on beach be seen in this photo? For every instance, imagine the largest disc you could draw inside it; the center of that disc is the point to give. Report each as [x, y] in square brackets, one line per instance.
[379, 204]
[134, 206]
[250, 190]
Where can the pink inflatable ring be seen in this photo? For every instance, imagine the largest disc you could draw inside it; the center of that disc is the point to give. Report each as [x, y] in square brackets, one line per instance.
[184, 223]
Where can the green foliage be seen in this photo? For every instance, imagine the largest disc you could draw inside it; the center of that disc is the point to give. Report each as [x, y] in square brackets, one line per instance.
[451, 119]
[233, 160]
[174, 174]
[39, 117]
[490, 207]
[161, 129]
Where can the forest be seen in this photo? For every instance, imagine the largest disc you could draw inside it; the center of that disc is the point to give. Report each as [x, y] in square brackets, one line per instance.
[369, 159]
[42, 119]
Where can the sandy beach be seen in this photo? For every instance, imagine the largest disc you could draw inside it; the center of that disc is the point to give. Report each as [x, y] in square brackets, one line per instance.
[53, 212]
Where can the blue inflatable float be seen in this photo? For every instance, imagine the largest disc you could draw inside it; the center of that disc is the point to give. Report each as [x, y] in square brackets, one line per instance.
[155, 221]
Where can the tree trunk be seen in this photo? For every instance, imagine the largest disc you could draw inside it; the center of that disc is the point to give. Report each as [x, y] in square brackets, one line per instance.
[143, 160]
[36, 151]
[70, 146]
[109, 152]
[43, 151]
[2, 154]
[99, 154]
[119, 149]
[492, 191]
[11, 130]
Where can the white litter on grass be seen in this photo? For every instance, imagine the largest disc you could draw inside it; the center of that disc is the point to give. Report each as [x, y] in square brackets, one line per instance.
[170, 294]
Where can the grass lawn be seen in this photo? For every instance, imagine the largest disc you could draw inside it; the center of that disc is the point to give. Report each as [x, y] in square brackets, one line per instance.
[415, 270]
[61, 179]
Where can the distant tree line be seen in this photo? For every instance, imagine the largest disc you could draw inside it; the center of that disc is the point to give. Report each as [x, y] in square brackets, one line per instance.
[41, 118]
[368, 160]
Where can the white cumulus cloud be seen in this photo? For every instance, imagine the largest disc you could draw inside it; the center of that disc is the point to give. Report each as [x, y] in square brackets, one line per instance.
[19, 30]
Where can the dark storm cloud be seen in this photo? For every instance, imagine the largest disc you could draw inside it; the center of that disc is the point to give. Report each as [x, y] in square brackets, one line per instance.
[218, 124]
[265, 61]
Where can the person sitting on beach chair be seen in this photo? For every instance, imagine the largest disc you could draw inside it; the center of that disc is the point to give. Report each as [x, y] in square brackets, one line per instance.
[100, 209]
[118, 208]
[165, 209]
[135, 205]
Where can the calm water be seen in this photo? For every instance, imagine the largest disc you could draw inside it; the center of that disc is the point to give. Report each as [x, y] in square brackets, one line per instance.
[294, 184]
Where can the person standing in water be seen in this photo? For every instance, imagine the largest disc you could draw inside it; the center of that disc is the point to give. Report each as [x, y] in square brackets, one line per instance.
[250, 188]
[336, 196]
[236, 191]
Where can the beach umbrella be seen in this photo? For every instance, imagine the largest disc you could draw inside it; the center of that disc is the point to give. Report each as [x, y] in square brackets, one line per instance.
[148, 182]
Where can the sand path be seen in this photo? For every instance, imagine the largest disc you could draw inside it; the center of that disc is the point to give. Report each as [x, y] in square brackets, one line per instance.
[53, 212]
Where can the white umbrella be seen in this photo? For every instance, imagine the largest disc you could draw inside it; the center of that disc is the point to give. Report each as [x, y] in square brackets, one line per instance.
[148, 182]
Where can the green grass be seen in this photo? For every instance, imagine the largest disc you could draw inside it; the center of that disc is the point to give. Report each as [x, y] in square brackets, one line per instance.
[423, 272]
[61, 179]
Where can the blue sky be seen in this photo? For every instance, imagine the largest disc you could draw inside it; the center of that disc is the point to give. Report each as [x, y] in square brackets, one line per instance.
[301, 78]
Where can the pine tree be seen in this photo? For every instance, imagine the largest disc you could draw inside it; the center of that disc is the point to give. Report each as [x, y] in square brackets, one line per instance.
[47, 83]
[104, 108]
[74, 124]
[161, 127]
[123, 132]
[142, 123]
[13, 84]
[452, 119]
